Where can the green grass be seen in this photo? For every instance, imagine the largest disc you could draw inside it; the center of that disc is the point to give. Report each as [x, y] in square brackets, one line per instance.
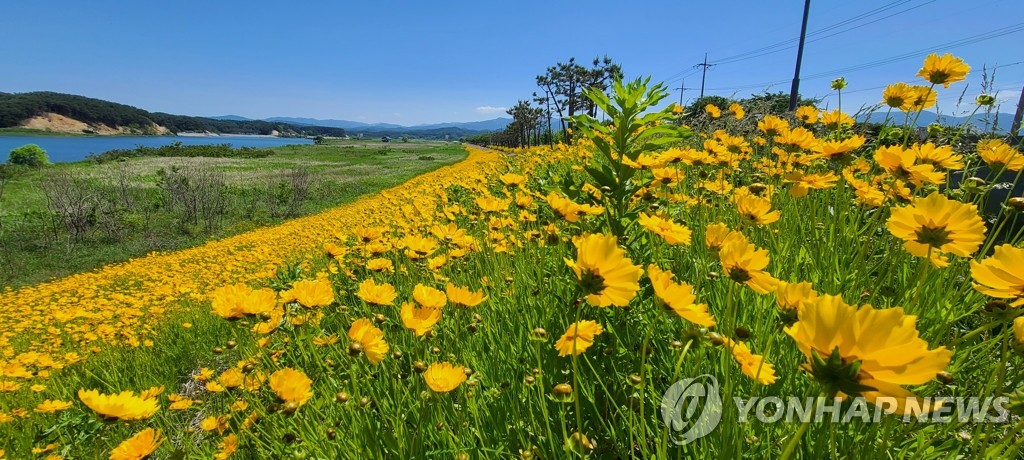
[347, 168]
[35, 132]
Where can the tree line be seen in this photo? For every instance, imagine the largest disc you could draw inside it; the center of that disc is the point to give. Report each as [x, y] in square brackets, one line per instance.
[16, 108]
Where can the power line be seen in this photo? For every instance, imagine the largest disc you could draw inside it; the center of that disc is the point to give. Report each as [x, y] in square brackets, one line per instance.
[791, 43]
[1008, 30]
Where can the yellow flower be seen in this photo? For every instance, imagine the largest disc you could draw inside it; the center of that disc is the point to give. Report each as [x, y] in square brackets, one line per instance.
[836, 119]
[789, 296]
[369, 338]
[1018, 330]
[920, 98]
[420, 320]
[745, 263]
[139, 446]
[231, 378]
[444, 377]
[865, 352]
[380, 294]
[807, 114]
[227, 447]
[1002, 275]
[578, 337]
[291, 385]
[898, 95]
[672, 232]
[754, 366]
[772, 125]
[512, 179]
[943, 70]
[803, 182]
[607, 276]
[429, 297]
[998, 155]
[936, 225]
[312, 293]
[755, 210]
[380, 265]
[464, 296]
[713, 111]
[715, 236]
[238, 300]
[679, 297]
[51, 406]
[213, 422]
[124, 405]
[737, 111]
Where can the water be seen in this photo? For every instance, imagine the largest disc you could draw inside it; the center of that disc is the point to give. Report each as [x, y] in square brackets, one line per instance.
[63, 149]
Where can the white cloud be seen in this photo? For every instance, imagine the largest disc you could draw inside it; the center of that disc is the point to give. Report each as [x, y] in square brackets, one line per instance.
[488, 110]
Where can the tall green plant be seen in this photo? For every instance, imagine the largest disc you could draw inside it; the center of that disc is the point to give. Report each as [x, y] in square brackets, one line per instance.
[635, 129]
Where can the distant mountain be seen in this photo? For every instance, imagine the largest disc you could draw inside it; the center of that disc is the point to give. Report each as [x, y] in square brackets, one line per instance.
[231, 117]
[58, 112]
[471, 127]
[981, 121]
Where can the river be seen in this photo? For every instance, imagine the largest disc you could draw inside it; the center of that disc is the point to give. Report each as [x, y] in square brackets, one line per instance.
[63, 149]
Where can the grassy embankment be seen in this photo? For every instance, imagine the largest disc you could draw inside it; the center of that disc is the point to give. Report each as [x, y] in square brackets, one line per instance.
[33, 248]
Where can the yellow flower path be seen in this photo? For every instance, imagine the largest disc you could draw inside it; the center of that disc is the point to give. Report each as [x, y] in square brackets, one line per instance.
[54, 323]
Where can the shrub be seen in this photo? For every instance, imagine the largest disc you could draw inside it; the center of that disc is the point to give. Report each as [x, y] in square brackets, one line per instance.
[28, 155]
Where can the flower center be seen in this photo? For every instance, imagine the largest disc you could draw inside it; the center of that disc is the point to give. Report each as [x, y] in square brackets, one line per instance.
[934, 237]
[591, 282]
[739, 275]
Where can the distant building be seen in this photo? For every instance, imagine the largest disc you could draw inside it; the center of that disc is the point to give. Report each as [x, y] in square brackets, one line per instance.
[385, 139]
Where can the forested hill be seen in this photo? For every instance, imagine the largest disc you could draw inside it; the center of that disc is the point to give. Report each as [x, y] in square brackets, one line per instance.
[19, 108]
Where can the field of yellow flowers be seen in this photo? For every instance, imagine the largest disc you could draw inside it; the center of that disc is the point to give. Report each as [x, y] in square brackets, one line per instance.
[540, 303]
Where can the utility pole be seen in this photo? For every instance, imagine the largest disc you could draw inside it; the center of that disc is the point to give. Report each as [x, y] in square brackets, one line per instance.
[799, 57]
[705, 74]
[682, 87]
[1015, 126]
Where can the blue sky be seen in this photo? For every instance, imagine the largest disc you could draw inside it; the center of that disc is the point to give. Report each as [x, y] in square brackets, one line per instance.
[423, 62]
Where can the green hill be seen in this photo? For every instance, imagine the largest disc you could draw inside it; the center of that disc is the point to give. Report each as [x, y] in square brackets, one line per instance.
[18, 108]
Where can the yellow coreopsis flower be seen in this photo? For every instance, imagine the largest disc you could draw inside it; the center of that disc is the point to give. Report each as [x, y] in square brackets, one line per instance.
[464, 296]
[380, 265]
[51, 406]
[754, 366]
[578, 337]
[935, 225]
[998, 155]
[444, 377]
[943, 70]
[370, 339]
[291, 385]
[808, 114]
[755, 210]
[865, 352]
[227, 447]
[713, 111]
[380, 294]
[898, 95]
[836, 119]
[679, 297]
[419, 320]
[139, 446]
[737, 111]
[789, 296]
[607, 276]
[1002, 275]
[429, 297]
[672, 232]
[744, 263]
[125, 405]
[239, 300]
[312, 293]
[1018, 330]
